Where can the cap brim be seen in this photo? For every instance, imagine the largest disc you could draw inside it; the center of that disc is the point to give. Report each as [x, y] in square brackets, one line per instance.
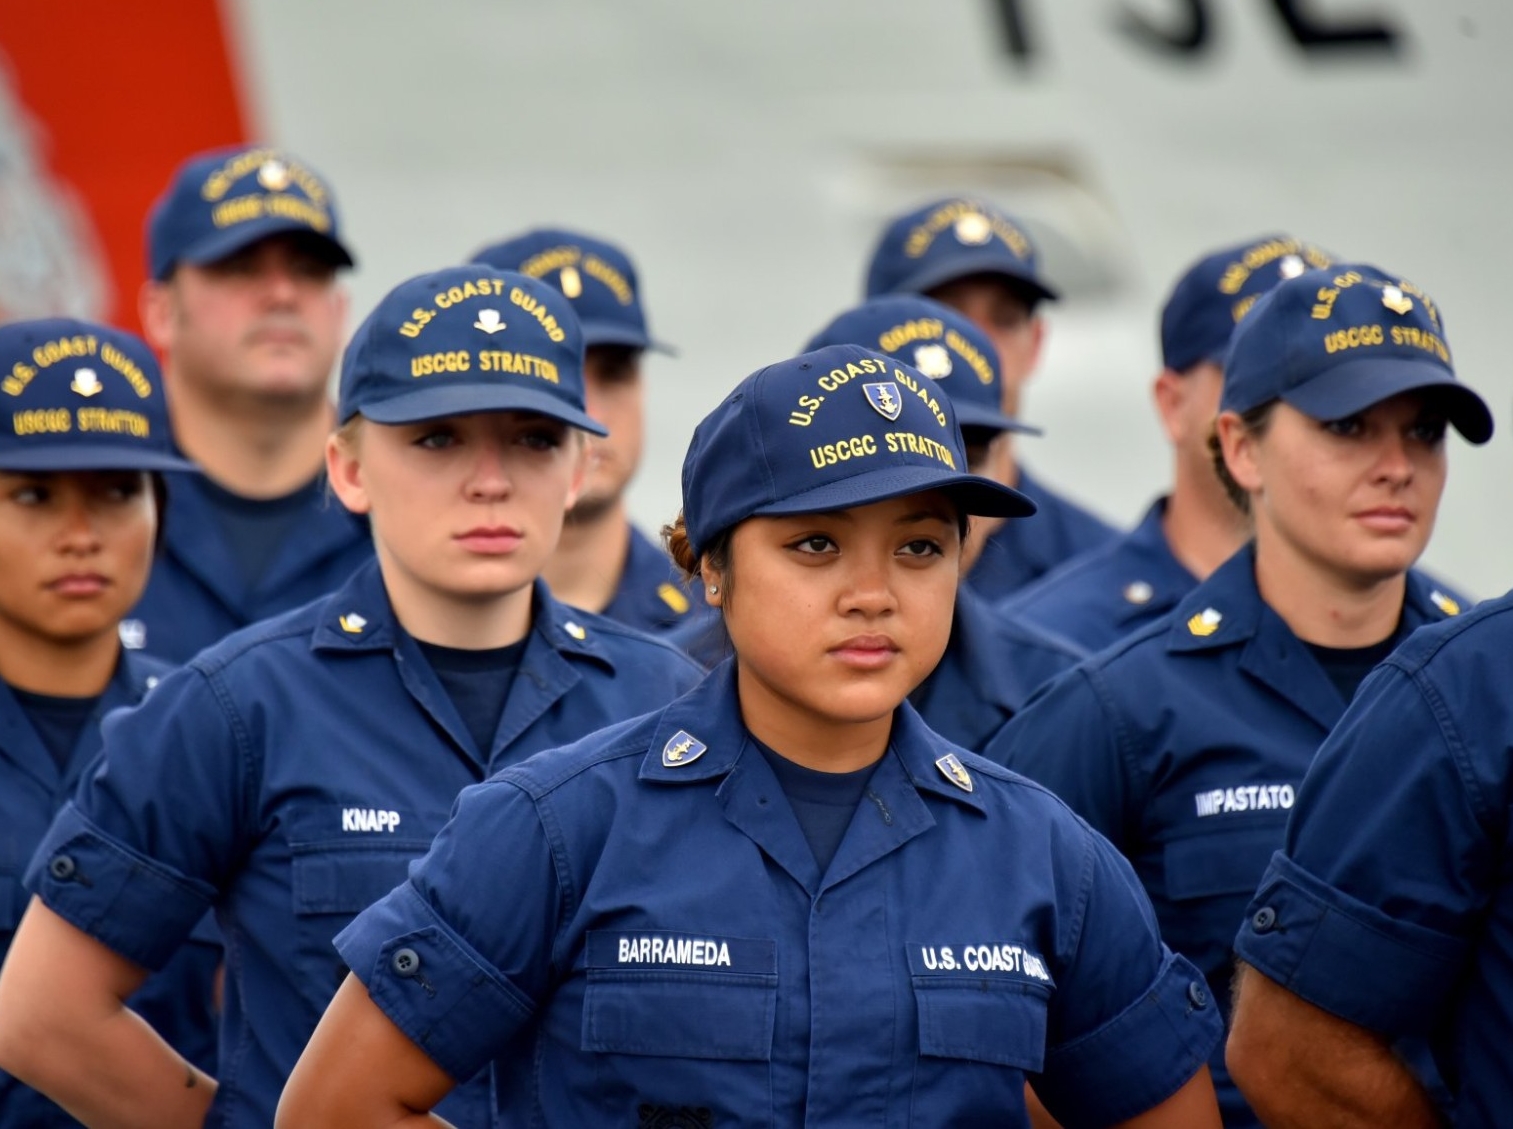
[613, 333]
[1356, 385]
[63, 459]
[440, 401]
[980, 415]
[975, 495]
[964, 266]
[223, 244]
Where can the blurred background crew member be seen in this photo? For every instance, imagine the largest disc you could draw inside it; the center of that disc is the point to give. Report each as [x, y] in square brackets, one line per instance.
[979, 260]
[1185, 742]
[604, 563]
[1135, 579]
[243, 303]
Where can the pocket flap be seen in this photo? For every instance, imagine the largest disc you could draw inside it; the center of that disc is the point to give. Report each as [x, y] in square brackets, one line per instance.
[1001, 1022]
[1225, 862]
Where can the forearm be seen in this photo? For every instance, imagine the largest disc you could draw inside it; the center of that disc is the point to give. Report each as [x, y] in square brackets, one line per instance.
[1299, 1066]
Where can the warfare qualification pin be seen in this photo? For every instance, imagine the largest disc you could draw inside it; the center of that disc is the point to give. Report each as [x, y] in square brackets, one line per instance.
[682, 748]
[953, 770]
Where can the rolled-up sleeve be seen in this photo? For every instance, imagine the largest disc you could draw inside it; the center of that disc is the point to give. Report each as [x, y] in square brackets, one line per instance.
[459, 954]
[1368, 910]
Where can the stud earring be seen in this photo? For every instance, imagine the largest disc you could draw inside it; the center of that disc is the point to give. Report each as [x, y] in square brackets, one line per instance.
[714, 589]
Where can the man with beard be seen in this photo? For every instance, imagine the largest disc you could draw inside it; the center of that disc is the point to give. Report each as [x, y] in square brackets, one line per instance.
[244, 304]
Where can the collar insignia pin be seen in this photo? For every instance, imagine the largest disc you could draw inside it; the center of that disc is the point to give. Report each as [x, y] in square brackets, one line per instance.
[572, 282]
[1444, 603]
[973, 229]
[933, 361]
[1395, 300]
[489, 321]
[575, 630]
[352, 623]
[273, 175]
[682, 748]
[953, 770]
[1205, 623]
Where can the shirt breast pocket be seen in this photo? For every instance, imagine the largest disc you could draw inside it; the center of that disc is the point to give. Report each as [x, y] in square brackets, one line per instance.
[1221, 863]
[680, 1020]
[978, 1038]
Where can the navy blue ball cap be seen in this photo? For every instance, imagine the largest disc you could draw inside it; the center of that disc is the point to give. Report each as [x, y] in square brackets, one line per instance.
[597, 277]
[950, 239]
[1219, 289]
[937, 342]
[828, 430]
[1335, 342]
[463, 340]
[81, 396]
[227, 199]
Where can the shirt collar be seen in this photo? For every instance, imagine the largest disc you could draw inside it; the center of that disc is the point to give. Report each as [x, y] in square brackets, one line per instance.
[359, 617]
[701, 736]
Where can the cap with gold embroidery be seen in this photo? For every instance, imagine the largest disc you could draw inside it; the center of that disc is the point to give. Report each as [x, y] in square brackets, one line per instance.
[828, 430]
[462, 340]
[1219, 289]
[1334, 342]
[75, 395]
[597, 277]
[227, 199]
[937, 341]
[950, 239]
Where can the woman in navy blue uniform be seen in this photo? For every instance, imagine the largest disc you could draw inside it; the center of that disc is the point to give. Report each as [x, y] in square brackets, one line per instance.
[782, 899]
[83, 448]
[1186, 742]
[287, 776]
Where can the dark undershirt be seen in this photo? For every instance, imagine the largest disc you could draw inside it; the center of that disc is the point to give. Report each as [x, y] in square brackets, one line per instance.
[1347, 667]
[824, 802]
[58, 721]
[256, 528]
[478, 682]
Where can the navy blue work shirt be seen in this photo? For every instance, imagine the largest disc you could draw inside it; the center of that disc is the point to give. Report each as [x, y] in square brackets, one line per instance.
[178, 1001]
[652, 595]
[1100, 597]
[1021, 551]
[993, 663]
[1390, 903]
[1184, 744]
[197, 594]
[635, 930]
[286, 777]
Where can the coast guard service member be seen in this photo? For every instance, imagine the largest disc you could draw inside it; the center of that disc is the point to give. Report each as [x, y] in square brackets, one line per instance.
[1389, 911]
[993, 660]
[83, 445]
[1141, 575]
[1185, 743]
[243, 303]
[977, 259]
[603, 562]
[770, 903]
[288, 775]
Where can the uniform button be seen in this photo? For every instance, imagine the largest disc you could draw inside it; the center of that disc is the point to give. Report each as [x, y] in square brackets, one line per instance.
[1265, 920]
[1197, 995]
[405, 962]
[62, 868]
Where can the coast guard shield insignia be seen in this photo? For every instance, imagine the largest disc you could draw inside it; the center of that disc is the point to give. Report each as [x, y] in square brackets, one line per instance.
[953, 770]
[682, 748]
[885, 399]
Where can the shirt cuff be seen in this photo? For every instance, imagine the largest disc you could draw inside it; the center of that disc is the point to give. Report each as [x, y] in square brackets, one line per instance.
[432, 984]
[1347, 957]
[1139, 1058]
[137, 906]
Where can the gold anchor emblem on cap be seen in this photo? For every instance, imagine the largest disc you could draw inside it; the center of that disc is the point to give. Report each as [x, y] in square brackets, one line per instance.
[1205, 623]
[572, 281]
[1395, 300]
[86, 382]
[489, 321]
[953, 770]
[973, 228]
[273, 175]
